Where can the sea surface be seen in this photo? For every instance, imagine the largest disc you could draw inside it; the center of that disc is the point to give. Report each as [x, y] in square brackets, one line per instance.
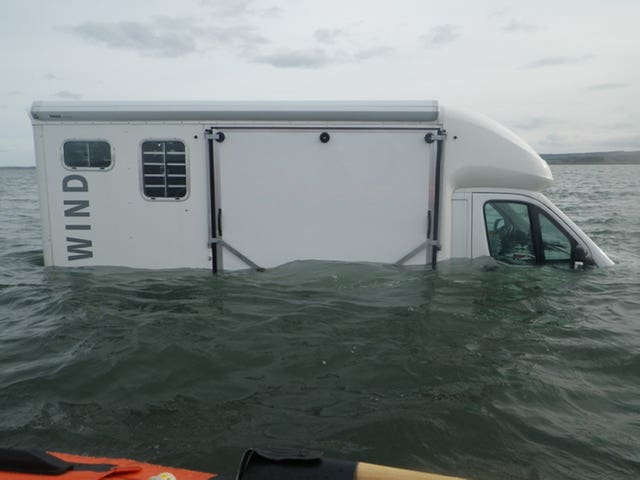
[481, 371]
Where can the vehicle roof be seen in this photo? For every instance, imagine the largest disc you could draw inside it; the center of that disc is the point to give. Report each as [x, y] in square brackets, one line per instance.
[366, 111]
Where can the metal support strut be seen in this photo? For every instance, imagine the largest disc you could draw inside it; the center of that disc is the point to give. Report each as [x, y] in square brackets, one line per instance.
[434, 240]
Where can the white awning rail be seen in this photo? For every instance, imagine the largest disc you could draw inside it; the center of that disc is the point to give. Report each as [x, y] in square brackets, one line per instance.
[335, 111]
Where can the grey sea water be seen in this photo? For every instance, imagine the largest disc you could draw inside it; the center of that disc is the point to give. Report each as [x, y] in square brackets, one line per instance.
[489, 373]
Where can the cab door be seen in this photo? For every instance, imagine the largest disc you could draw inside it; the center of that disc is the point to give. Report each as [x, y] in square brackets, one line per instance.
[519, 230]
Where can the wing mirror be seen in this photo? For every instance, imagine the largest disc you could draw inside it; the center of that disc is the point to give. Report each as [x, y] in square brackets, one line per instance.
[581, 257]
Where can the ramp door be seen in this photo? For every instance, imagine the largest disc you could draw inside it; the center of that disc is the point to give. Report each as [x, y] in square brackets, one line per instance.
[347, 195]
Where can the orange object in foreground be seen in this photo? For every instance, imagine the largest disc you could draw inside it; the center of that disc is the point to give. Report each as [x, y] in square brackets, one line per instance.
[256, 464]
[62, 466]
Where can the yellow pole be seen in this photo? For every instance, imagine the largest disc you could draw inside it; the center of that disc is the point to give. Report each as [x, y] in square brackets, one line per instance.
[368, 471]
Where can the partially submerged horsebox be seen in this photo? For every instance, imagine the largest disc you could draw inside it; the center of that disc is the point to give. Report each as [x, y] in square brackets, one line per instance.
[233, 185]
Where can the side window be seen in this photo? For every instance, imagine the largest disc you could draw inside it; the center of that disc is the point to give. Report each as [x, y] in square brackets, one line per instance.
[509, 232]
[87, 154]
[555, 243]
[164, 169]
[520, 233]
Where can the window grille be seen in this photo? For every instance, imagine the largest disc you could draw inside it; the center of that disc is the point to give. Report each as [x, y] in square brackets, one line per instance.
[164, 169]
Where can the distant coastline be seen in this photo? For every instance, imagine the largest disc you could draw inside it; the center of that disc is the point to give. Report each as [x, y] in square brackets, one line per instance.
[592, 158]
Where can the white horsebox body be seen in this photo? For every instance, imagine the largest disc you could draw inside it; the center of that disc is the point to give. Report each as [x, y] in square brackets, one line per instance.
[233, 185]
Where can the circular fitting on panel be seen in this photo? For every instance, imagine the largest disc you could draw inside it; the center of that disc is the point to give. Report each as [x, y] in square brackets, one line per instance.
[325, 137]
[219, 137]
[429, 138]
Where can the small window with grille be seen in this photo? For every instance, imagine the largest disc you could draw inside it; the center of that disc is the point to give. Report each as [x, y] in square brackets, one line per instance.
[164, 169]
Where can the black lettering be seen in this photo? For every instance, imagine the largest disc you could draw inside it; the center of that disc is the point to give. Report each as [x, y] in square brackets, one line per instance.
[79, 248]
[75, 211]
[75, 183]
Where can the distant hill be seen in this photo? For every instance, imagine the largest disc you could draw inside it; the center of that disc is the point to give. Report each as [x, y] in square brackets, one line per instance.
[592, 158]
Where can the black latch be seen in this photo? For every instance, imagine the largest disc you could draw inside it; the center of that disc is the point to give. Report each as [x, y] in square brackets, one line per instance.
[292, 464]
[32, 461]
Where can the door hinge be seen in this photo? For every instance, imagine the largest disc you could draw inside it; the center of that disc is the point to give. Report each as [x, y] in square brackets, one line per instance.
[217, 136]
[435, 137]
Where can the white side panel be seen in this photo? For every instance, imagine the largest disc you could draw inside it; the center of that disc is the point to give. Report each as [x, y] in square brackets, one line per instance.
[461, 226]
[43, 193]
[286, 196]
[125, 228]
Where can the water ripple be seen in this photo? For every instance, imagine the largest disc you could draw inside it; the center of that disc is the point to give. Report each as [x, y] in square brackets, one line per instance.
[474, 369]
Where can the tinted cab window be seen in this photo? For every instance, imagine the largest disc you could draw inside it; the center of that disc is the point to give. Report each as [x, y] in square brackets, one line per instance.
[520, 233]
[556, 245]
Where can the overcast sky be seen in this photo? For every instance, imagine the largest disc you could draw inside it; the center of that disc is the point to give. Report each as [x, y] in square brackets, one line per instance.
[564, 74]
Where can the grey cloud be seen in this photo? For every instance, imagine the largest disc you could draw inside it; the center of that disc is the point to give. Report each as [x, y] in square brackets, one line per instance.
[516, 25]
[239, 8]
[609, 86]
[441, 35]
[618, 142]
[316, 57]
[607, 141]
[558, 61]
[228, 8]
[329, 35]
[168, 37]
[350, 52]
[143, 38]
[158, 37]
[233, 35]
[499, 13]
[555, 140]
[623, 125]
[67, 94]
[371, 52]
[534, 123]
[242, 36]
[271, 12]
[50, 76]
[312, 58]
